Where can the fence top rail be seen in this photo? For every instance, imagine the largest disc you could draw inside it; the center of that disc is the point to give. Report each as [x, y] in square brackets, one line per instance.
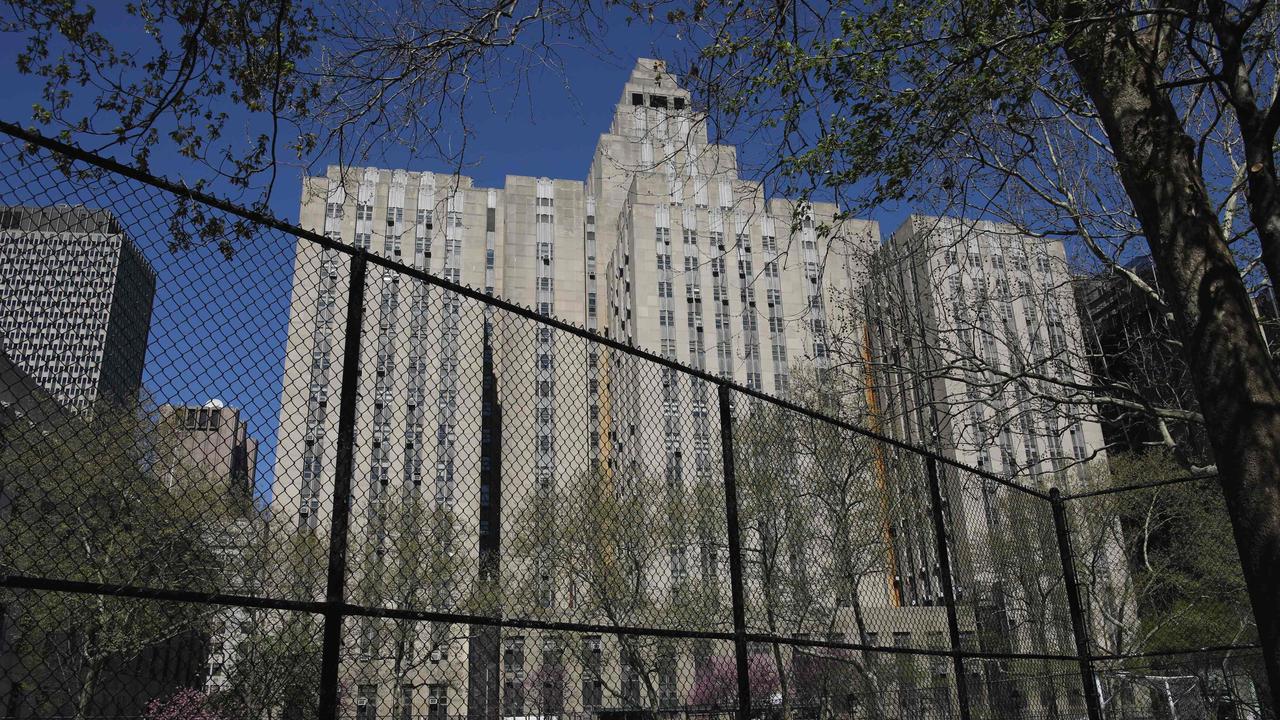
[44, 584]
[1139, 486]
[255, 216]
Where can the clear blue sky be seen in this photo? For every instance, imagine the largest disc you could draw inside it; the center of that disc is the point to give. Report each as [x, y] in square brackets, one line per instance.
[218, 326]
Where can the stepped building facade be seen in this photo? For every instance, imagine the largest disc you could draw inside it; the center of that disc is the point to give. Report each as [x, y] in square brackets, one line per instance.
[496, 460]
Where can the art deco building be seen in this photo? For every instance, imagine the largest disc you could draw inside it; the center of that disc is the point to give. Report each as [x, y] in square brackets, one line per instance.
[75, 302]
[473, 424]
[978, 342]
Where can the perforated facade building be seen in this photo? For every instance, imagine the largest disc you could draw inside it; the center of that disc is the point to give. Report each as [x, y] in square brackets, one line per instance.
[75, 302]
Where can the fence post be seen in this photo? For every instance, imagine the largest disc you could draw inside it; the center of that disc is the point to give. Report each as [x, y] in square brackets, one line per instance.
[948, 588]
[735, 554]
[1078, 627]
[335, 586]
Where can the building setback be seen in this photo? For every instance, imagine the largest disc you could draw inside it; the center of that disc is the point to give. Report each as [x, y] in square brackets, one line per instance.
[663, 247]
[958, 309]
[75, 302]
[473, 424]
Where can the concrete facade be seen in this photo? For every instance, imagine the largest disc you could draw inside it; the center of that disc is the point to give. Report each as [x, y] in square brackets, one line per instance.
[213, 438]
[75, 302]
[966, 305]
[970, 320]
[664, 247]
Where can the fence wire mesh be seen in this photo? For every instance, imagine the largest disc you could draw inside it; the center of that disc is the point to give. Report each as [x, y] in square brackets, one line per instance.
[453, 507]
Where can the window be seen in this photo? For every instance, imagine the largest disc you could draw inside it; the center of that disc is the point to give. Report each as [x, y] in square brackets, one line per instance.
[406, 702]
[364, 212]
[546, 590]
[551, 701]
[637, 98]
[630, 681]
[678, 102]
[667, 696]
[1078, 448]
[513, 675]
[366, 702]
[437, 702]
[592, 686]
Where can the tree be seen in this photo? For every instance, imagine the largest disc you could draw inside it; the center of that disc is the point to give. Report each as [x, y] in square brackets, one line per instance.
[185, 704]
[85, 504]
[979, 349]
[605, 536]
[717, 685]
[409, 559]
[1181, 586]
[1113, 123]
[304, 80]
[275, 670]
[817, 556]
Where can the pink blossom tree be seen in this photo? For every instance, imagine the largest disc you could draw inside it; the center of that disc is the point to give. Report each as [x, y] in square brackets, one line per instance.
[717, 684]
[185, 704]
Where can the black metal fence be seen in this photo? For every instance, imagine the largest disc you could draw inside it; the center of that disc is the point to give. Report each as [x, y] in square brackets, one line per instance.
[250, 471]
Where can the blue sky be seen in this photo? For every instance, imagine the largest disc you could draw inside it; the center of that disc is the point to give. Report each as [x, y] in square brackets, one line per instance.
[218, 326]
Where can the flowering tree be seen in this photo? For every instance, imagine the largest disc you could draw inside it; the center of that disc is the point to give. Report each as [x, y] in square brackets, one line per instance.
[186, 704]
[717, 683]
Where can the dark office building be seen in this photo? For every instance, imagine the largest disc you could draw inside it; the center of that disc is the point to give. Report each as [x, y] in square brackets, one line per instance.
[1133, 345]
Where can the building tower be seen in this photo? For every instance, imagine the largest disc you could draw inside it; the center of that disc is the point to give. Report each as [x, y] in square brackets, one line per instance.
[663, 247]
[210, 445]
[970, 319]
[75, 302]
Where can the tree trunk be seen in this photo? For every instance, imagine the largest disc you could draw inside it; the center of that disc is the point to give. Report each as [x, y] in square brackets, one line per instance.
[1235, 381]
[88, 684]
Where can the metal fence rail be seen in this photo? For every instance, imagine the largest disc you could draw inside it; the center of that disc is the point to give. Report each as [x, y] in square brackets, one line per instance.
[449, 505]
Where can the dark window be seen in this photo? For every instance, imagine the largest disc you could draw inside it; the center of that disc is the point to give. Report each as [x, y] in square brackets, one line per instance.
[367, 702]
[658, 101]
[637, 99]
[406, 702]
[679, 103]
[592, 685]
[437, 702]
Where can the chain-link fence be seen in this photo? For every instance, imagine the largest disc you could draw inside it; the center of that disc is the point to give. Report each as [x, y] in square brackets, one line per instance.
[250, 471]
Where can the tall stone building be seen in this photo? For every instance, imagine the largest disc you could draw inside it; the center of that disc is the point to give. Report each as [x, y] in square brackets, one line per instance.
[215, 439]
[208, 453]
[663, 247]
[970, 320]
[961, 309]
[75, 302]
